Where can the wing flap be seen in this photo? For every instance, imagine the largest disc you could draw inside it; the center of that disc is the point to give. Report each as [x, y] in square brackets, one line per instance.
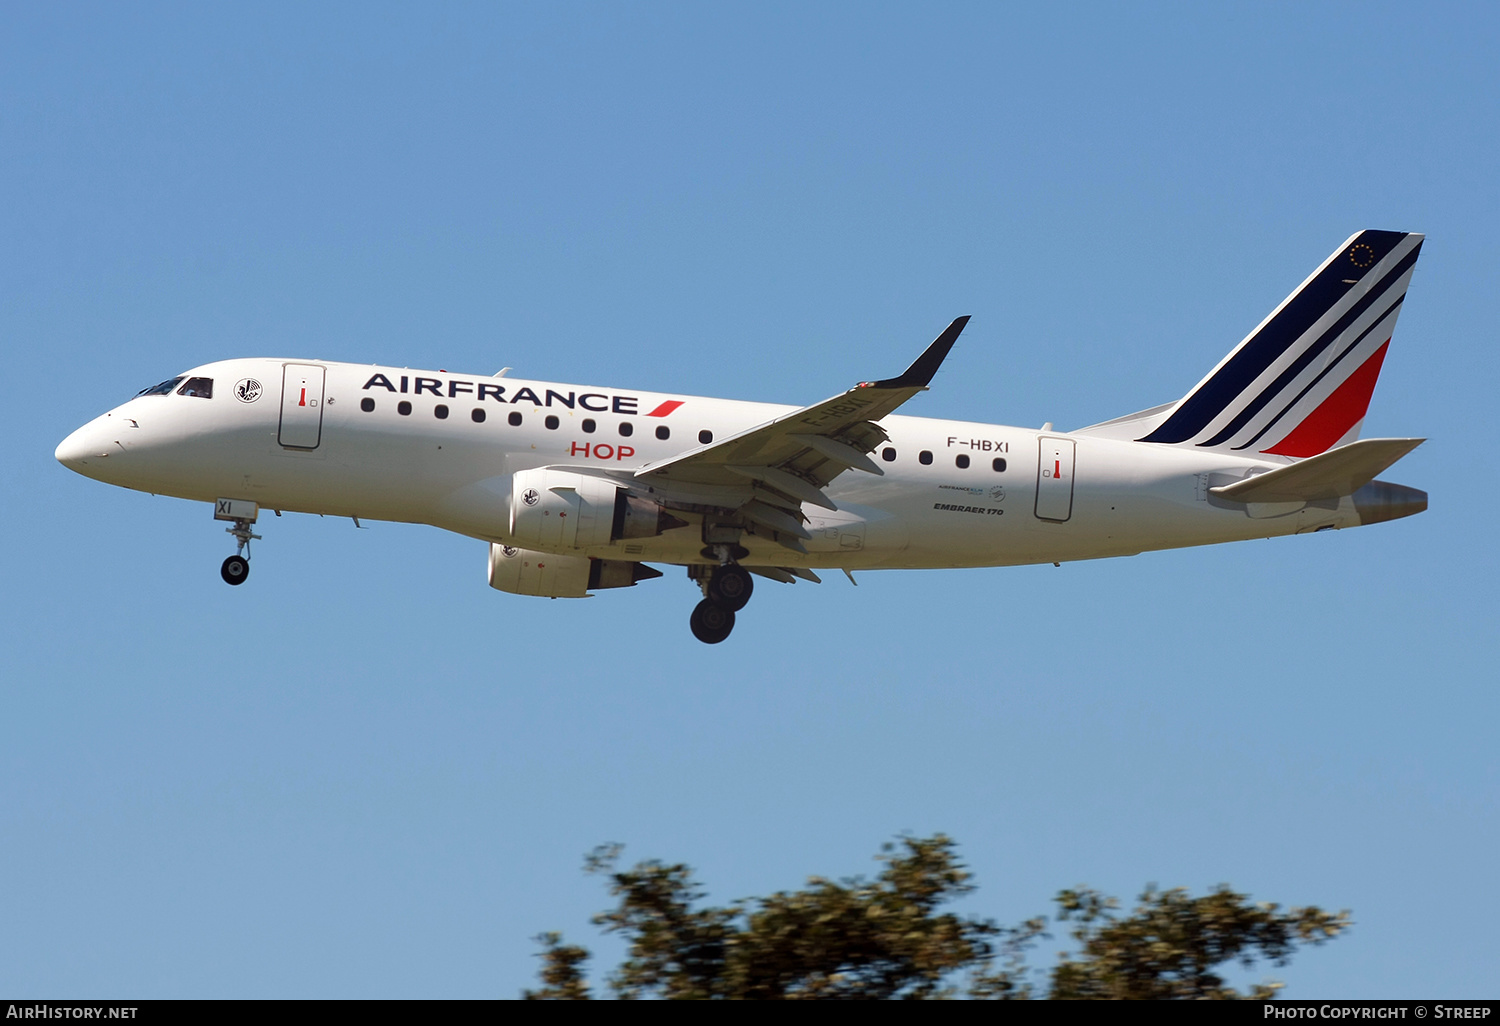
[840, 452]
[797, 487]
[776, 519]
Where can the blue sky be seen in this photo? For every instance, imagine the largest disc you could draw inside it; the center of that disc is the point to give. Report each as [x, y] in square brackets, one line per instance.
[367, 774]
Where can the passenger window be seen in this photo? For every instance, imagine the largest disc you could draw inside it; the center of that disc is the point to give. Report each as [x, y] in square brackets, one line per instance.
[203, 388]
[440, 411]
[404, 408]
[663, 432]
[588, 425]
[999, 465]
[477, 415]
[367, 404]
[925, 458]
[551, 423]
[962, 461]
[626, 428]
[165, 388]
[704, 437]
[888, 454]
[515, 419]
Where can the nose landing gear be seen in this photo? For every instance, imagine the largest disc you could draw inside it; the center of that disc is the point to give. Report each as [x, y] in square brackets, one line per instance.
[236, 568]
[242, 513]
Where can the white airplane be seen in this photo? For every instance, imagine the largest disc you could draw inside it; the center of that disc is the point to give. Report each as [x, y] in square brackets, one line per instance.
[577, 488]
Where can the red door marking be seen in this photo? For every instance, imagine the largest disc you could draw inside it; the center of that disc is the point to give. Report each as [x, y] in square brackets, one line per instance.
[304, 398]
[1057, 468]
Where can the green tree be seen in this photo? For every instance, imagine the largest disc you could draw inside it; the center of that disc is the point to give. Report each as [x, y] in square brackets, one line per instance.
[887, 938]
[1169, 946]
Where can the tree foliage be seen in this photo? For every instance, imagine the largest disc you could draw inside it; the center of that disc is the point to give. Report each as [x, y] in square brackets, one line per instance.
[1169, 946]
[887, 938]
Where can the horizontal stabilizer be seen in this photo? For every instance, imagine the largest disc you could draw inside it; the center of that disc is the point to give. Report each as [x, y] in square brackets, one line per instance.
[1331, 475]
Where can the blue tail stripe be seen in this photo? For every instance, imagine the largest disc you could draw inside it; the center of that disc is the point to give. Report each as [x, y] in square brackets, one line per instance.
[1267, 346]
[1315, 350]
[1325, 372]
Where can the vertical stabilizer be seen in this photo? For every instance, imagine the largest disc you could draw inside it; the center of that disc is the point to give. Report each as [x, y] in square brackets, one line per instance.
[1299, 384]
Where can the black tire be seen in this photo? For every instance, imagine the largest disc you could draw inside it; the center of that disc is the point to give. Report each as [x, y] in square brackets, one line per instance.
[235, 570]
[731, 587]
[711, 622]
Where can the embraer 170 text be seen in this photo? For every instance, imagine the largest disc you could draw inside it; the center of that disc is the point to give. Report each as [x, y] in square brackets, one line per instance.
[578, 488]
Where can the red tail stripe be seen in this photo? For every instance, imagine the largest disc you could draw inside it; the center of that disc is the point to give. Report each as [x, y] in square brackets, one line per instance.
[1335, 415]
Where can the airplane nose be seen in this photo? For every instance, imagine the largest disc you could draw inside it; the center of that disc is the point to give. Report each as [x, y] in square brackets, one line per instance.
[83, 447]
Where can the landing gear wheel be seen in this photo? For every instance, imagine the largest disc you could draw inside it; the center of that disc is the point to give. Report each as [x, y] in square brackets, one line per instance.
[730, 587]
[711, 622]
[236, 569]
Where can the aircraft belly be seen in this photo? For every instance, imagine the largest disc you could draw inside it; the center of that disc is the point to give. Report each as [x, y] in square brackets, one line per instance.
[1125, 500]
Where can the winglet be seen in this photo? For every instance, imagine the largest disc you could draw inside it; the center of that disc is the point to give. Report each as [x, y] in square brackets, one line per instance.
[926, 365]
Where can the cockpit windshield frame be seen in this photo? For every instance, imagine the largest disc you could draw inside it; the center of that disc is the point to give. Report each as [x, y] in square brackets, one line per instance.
[165, 388]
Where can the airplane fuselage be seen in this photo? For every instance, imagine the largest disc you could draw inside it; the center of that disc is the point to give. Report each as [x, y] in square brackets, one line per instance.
[430, 447]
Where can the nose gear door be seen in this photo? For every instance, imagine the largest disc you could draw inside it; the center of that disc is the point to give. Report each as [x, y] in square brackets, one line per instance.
[301, 406]
[1054, 479]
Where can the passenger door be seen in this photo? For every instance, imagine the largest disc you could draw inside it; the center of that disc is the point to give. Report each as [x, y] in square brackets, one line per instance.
[1054, 479]
[301, 406]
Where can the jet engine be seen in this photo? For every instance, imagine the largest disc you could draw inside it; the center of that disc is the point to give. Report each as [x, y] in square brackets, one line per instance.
[555, 509]
[527, 572]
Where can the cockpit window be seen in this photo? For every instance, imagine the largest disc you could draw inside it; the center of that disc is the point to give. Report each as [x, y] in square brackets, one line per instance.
[165, 388]
[203, 388]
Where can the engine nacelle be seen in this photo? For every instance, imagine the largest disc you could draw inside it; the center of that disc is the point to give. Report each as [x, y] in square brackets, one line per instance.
[526, 572]
[555, 509]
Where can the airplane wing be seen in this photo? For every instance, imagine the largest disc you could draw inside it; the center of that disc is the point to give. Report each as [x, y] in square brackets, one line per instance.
[768, 472]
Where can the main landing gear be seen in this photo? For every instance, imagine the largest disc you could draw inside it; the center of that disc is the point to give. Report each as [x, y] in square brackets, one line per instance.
[726, 589]
[711, 623]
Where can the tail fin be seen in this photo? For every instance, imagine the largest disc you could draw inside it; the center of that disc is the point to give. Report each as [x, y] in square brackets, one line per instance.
[1299, 384]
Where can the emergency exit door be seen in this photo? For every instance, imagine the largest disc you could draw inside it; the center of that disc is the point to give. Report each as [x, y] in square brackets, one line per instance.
[301, 406]
[1054, 479]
